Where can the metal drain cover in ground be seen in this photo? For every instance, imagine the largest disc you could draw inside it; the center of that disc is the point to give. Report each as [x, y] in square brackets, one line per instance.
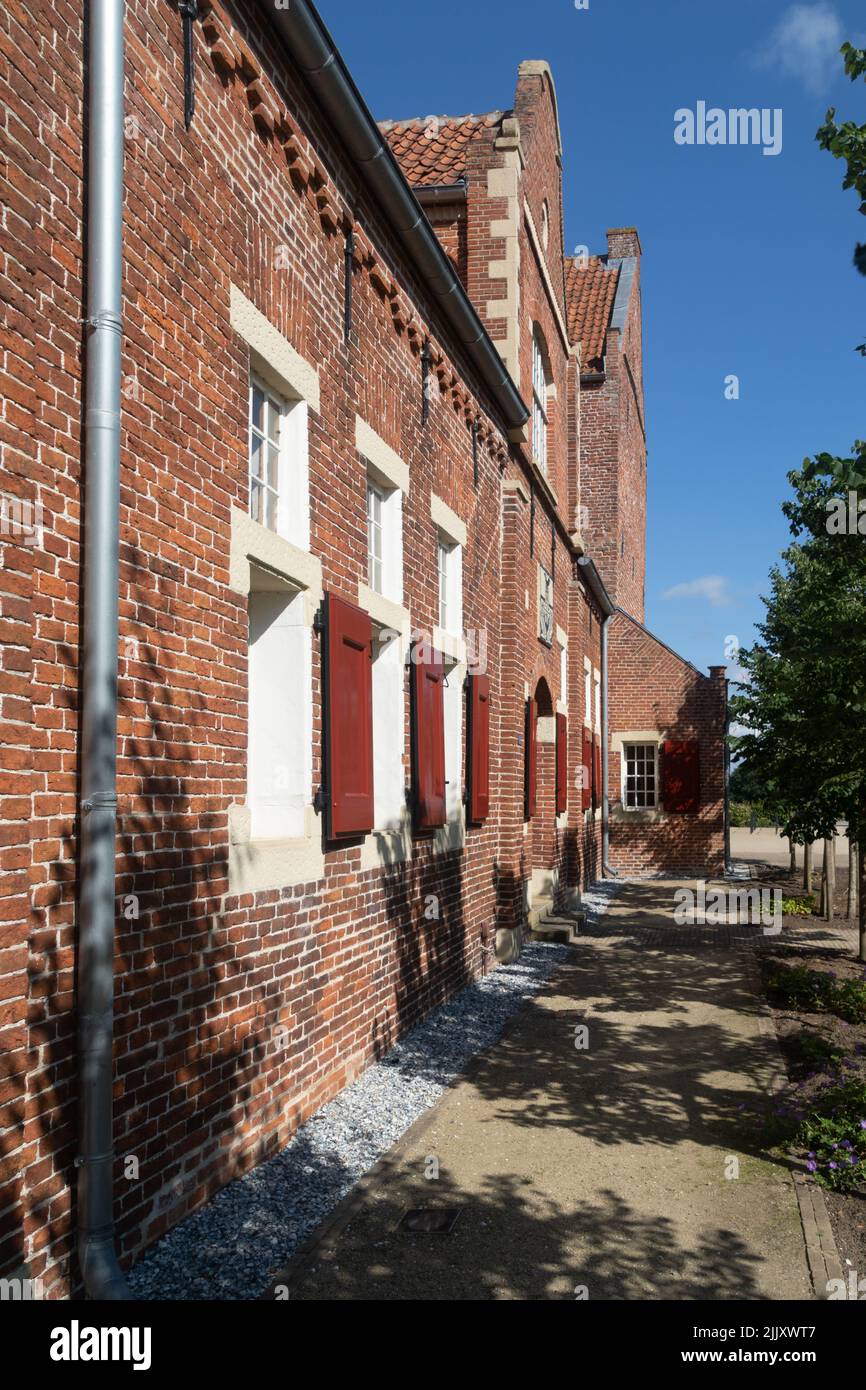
[429, 1220]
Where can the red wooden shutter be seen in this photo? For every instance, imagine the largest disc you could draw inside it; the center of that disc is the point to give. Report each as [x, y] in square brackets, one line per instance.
[561, 763]
[586, 770]
[428, 741]
[478, 740]
[596, 769]
[681, 775]
[349, 719]
[531, 761]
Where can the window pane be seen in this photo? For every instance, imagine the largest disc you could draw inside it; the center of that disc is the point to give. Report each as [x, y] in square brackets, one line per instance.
[257, 409]
[273, 466]
[256, 457]
[274, 421]
[271, 510]
[256, 501]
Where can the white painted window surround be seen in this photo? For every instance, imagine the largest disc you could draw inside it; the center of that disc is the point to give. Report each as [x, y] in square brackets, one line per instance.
[279, 462]
[597, 682]
[452, 835]
[448, 635]
[545, 606]
[539, 401]
[280, 771]
[562, 639]
[639, 762]
[587, 692]
[292, 385]
[387, 478]
[275, 837]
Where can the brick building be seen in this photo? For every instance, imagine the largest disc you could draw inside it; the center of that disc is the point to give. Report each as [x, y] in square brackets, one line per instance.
[382, 501]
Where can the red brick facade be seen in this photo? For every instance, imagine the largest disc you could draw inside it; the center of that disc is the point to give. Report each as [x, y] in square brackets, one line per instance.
[240, 1009]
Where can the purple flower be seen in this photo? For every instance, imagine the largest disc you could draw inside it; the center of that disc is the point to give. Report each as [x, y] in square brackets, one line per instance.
[812, 1165]
[832, 1165]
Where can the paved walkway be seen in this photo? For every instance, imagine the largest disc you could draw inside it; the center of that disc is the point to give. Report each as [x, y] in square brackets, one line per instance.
[601, 1169]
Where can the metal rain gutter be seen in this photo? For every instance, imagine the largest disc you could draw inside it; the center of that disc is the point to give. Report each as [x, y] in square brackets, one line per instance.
[314, 51]
[100, 1270]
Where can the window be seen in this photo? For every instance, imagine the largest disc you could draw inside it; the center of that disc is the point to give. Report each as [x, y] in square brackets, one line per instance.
[450, 571]
[389, 779]
[384, 537]
[539, 402]
[443, 586]
[266, 422]
[587, 691]
[279, 768]
[374, 537]
[563, 675]
[278, 464]
[545, 606]
[640, 776]
[597, 700]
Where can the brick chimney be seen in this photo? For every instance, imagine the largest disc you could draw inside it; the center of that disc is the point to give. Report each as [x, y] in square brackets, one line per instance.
[623, 242]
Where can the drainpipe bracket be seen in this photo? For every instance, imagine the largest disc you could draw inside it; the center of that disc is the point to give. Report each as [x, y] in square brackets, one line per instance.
[98, 799]
[107, 319]
[81, 1159]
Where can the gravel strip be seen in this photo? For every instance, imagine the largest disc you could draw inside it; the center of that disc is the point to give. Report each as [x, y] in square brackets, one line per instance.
[232, 1247]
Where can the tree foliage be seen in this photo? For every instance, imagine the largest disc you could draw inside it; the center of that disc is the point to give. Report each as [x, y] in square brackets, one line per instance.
[848, 142]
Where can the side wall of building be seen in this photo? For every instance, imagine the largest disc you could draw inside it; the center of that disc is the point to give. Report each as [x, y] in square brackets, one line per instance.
[656, 697]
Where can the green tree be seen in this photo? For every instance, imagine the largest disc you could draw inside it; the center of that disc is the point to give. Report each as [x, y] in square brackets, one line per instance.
[804, 704]
[848, 142]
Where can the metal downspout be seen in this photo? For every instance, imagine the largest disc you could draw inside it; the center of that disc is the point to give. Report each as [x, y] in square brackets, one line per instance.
[100, 1270]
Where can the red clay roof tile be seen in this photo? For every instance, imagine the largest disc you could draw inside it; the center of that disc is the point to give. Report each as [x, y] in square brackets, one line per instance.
[590, 289]
[432, 149]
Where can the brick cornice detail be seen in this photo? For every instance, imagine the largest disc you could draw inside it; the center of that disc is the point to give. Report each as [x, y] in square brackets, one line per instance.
[232, 56]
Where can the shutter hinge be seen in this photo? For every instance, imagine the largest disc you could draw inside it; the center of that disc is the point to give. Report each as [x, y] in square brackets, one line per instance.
[319, 619]
[320, 801]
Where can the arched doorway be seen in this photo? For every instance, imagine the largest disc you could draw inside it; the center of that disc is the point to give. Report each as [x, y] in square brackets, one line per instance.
[541, 833]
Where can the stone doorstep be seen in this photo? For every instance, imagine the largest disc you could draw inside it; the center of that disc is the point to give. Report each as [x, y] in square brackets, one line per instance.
[547, 925]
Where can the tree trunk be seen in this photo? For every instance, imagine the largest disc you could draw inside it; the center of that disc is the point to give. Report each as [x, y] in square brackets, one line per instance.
[807, 866]
[851, 906]
[828, 886]
[792, 864]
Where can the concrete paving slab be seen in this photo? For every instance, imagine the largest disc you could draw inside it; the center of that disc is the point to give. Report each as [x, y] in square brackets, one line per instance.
[618, 1169]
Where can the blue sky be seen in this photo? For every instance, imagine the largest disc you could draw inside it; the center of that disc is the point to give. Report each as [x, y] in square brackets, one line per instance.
[747, 257]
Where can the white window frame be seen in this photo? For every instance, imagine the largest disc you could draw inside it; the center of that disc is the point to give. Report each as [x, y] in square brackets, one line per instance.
[625, 763]
[539, 402]
[263, 488]
[376, 502]
[587, 692]
[449, 569]
[597, 687]
[545, 599]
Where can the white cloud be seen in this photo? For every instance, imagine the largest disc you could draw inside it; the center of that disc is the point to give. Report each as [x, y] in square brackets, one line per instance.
[712, 587]
[805, 44]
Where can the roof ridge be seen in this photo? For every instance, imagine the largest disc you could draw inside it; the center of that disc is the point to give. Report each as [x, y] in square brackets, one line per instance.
[390, 124]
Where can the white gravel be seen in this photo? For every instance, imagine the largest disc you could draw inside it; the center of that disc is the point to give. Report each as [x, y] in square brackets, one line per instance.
[232, 1247]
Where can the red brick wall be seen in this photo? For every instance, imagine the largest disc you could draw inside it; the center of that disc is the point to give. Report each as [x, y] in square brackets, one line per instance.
[206, 982]
[613, 444]
[653, 689]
